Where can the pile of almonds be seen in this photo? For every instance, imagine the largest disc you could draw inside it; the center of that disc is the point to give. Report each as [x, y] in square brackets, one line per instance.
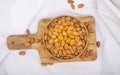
[65, 37]
[71, 2]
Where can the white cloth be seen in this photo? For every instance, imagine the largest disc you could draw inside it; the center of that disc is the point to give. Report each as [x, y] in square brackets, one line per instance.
[16, 15]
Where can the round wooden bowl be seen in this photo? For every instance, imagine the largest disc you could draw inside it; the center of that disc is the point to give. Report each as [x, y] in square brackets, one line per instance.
[86, 43]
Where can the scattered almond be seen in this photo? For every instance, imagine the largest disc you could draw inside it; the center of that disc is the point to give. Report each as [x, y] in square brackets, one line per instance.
[80, 5]
[43, 64]
[28, 39]
[26, 44]
[72, 6]
[98, 44]
[22, 53]
[28, 31]
[70, 1]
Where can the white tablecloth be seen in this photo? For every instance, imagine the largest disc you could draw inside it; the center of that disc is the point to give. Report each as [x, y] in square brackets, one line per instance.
[16, 16]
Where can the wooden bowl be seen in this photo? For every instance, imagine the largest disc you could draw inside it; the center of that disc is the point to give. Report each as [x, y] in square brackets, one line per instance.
[79, 52]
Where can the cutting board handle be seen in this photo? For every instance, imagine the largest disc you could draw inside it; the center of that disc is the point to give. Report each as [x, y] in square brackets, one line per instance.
[21, 41]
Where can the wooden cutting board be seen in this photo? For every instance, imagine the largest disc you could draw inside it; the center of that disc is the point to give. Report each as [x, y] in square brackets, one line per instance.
[16, 42]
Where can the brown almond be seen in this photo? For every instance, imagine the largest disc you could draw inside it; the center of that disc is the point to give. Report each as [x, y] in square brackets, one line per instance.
[43, 64]
[72, 6]
[32, 40]
[27, 44]
[70, 1]
[28, 31]
[28, 39]
[98, 44]
[80, 5]
[22, 53]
